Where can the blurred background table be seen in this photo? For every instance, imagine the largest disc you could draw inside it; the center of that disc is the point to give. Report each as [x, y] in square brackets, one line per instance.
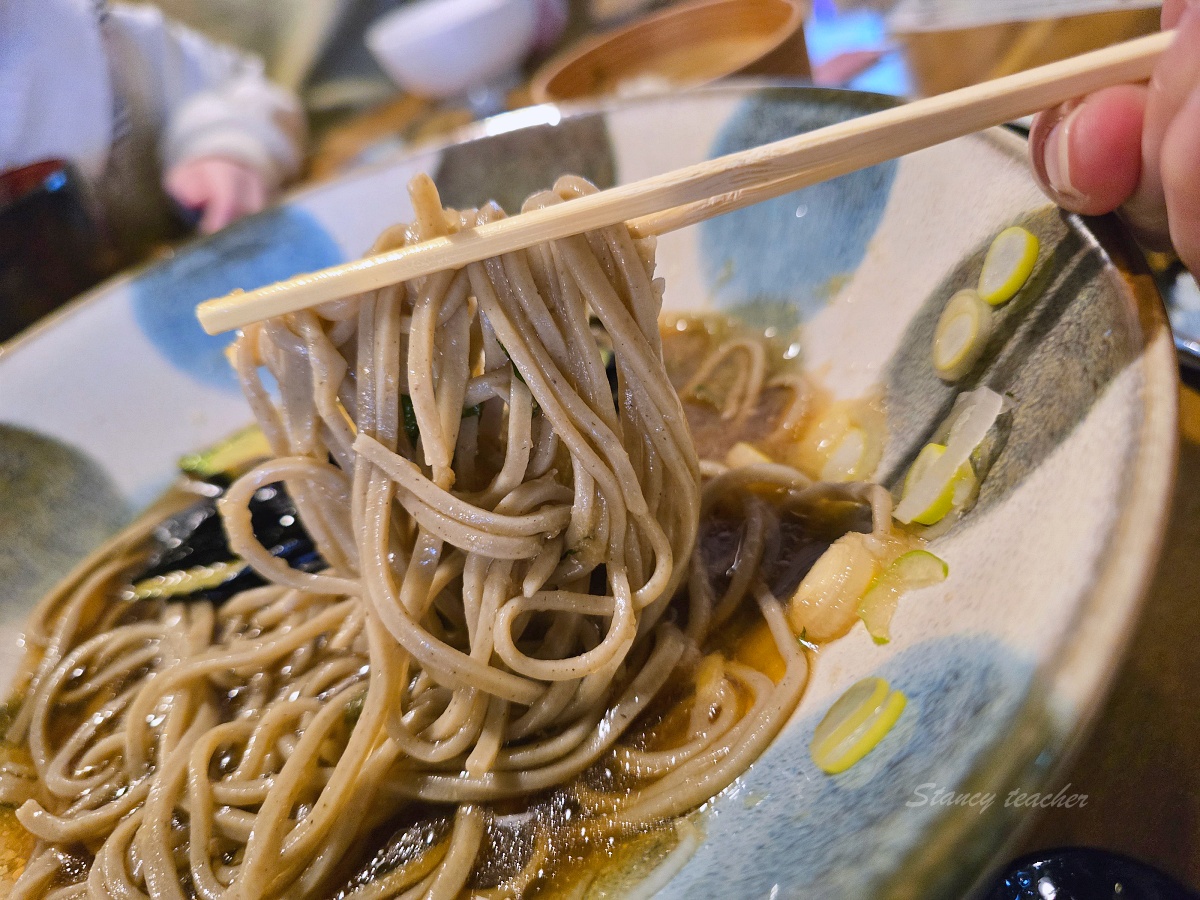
[846, 45]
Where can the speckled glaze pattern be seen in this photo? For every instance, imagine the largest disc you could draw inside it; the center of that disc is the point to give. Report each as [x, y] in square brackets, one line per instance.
[1002, 663]
[57, 506]
[247, 255]
[784, 809]
[740, 251]
[508, 167]
[1052, 352]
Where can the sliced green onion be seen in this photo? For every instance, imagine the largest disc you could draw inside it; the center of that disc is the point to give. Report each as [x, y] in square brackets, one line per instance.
[846, 456]
[743, 454]
[823, 606]
[408, 416]
[973, 416]
[962, 334]
[353, 710]
[855, 724]
[954, 493]
[188, 581]
[844, 443]
[1008, 265]
[230, 457]
[909, 571]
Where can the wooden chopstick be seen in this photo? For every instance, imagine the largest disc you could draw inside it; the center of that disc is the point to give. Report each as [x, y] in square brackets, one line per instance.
[685, 196]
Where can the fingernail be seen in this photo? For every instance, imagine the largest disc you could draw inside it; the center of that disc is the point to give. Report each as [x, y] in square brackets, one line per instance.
[1057, 157]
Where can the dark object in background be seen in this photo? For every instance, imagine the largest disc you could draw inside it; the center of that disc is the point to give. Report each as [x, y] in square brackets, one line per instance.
[1175, 284]
[1079, 873]
[53, 244]
[1189, 364]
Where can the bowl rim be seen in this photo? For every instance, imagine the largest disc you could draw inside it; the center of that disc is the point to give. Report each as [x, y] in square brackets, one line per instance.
[1074, 679]
[539, 86]
[1093, 645]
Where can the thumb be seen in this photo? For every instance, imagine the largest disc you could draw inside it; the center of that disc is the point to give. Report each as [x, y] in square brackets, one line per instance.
[1087, 154]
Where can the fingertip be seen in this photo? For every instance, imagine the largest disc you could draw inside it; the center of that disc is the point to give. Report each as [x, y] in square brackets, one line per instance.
[184, 188]
[256, 197]
[211, 221]
[1172, 12]
[1106, 147]
[1043, 124]
[1088, 155]
[220, 210]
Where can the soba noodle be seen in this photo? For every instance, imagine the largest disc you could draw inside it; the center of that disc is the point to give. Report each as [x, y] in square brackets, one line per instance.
[504, 532]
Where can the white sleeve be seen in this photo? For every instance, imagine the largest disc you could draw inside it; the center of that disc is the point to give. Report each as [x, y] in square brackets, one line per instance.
[56, 100]
[216, 101]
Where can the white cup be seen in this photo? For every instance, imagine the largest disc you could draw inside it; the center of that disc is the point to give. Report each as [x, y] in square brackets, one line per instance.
[443, 48]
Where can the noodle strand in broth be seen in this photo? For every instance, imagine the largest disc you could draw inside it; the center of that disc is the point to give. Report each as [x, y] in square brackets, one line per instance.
[503, 530]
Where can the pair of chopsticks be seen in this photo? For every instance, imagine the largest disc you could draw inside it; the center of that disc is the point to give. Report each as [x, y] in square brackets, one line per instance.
[698, 192]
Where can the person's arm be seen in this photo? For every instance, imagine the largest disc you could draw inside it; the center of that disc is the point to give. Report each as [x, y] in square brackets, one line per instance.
[1135, 149]
[230, 138]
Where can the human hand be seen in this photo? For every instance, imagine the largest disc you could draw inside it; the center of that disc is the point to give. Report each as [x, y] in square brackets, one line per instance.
[1136, 148]
[221, 188]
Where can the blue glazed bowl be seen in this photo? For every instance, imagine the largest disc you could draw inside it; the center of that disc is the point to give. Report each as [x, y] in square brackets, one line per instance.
[1003, 664]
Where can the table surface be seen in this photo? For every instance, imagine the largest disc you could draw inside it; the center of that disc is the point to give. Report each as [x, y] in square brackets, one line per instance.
[1140, 767]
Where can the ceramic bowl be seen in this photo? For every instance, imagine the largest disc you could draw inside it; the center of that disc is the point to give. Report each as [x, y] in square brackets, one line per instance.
[440, 48]
[1003, 663]
[686, 45]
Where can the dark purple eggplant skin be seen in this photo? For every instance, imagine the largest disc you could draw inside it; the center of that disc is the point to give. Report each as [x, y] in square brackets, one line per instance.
[196, 537]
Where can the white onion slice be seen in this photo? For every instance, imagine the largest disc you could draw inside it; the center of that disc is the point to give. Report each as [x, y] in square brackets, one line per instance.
[962, 334]
[974, 415]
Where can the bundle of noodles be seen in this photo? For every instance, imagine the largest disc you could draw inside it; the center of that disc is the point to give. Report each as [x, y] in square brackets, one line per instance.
[503, 530]
[486, 661]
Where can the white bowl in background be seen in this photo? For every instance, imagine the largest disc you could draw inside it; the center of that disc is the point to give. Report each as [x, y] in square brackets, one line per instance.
[440, 48]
